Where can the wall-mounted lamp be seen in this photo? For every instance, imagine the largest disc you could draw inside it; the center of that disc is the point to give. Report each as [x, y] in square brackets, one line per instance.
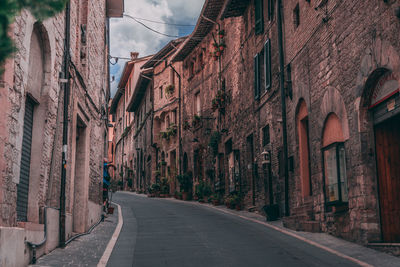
[266, 157]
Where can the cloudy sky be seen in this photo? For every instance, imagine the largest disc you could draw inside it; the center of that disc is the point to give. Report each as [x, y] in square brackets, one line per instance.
[127, 35]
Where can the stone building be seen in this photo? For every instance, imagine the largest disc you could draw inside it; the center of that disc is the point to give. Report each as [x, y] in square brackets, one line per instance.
[343, 121]
[31, 129]
[124, 129]
[167, 113]
[141, 104]
[340, 81]
[230, 117]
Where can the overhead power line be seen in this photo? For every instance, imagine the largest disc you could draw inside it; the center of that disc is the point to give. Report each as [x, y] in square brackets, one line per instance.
[161, 22]
[144, 25]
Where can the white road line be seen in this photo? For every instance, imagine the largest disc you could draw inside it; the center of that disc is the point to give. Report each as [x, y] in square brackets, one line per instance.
[335, 252]
[110, 246]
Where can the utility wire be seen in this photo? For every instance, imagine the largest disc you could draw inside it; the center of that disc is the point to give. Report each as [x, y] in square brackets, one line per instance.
[141, 23]
[161, 22]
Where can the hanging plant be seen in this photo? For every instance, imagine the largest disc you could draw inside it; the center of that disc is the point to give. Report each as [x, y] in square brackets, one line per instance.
[214, 141]
[186, 125]
[196, 120]
[222, 46]
[221, 34]
[219, 101]
[169, 90]
[172, 130]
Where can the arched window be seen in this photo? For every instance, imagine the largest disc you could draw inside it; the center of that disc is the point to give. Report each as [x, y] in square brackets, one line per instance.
[304, 148]
[334, 158]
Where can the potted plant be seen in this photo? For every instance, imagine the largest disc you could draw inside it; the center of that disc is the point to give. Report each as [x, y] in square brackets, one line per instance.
[206, 191]
[155, 189]
[164, 187]
[198, 191]
[215, 199]
[185, 183]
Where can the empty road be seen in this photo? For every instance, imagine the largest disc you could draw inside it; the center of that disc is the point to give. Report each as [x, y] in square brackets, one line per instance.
[161, 232]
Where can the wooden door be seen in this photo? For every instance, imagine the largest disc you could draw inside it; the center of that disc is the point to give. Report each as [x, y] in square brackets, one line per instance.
[387, 136]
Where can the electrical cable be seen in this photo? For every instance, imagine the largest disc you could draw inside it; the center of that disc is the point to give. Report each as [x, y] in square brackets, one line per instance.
[160, 22]
[144, 25]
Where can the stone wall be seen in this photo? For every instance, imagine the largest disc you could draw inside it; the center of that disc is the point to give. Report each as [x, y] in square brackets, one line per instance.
[88, 96]
[333, 52]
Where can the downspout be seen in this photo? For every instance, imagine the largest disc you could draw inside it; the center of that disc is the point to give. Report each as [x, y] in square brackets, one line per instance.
[123, 141]
[283, 103]
[180, 119]
[65, 126]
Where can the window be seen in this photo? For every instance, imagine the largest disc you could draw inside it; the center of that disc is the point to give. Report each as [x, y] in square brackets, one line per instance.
[304, 148]
[161, 92]
[197, 104]
[335, 173]
[271, 9]
[259, 16]
[265, 132]
[171, 76]
[191, 69]
[262, 70]
[334, 158]
[296, 16]
[174, 117]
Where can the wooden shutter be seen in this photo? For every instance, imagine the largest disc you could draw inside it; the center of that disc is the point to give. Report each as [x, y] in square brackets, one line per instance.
[256, 77]
[267, 64]
[259, 20]
[23, 186]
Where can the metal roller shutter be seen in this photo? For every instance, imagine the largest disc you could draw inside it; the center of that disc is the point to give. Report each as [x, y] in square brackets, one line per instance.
[23, 186]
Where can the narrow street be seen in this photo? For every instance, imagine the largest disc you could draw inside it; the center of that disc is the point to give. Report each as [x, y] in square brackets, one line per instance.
[164, 232]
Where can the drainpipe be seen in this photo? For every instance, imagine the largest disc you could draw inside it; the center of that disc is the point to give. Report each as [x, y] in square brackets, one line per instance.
[34, 246]
[65, 126]
[283, 103]
[180, 118]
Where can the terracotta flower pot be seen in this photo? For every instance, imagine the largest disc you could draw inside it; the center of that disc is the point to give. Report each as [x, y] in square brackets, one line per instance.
[185, 195]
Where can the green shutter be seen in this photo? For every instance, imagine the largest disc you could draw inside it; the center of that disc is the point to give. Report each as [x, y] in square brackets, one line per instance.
[256, 77]
[259, 20]
[267, 64]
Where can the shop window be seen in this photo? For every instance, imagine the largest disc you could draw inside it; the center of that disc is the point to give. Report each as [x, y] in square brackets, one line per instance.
[262, 70]
[259, 16]
[334, 158]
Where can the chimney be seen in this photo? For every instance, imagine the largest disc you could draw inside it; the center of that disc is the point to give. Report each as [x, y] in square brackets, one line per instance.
[134, 55]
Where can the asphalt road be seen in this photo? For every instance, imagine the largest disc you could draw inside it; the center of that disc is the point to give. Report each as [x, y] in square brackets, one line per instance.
[160, 232]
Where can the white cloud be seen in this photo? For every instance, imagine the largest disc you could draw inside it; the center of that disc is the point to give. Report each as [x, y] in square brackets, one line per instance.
[129, 36]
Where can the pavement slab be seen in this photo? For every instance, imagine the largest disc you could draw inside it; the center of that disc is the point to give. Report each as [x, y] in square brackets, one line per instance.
[85, 250]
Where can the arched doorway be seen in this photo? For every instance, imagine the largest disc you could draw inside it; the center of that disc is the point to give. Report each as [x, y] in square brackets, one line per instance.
[384, 105]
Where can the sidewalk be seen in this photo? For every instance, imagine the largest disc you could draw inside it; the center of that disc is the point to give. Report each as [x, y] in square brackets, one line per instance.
[85, 250]
[358, 253]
